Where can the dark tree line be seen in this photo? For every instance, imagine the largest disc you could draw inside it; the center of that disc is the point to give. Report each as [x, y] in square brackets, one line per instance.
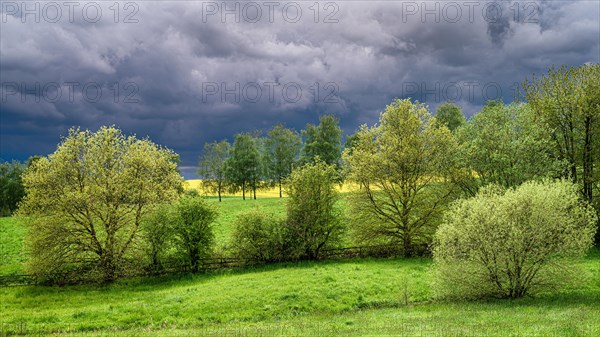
[254, 161]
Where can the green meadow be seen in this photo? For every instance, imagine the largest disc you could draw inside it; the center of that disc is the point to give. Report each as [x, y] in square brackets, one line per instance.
[361, 297]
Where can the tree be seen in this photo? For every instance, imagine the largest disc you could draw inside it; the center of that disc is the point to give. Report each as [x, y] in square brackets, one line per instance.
[450, 115]
[259, 236]
[568, 100]
[503, 145]
[351, 141]
[281, 150]
[404, 168]
[323, 141]
[11, 186]
[192, 227]
[243, 167]
[212, 166]
[313, 221]
[157, 232]
[85, 202]
[512, 243]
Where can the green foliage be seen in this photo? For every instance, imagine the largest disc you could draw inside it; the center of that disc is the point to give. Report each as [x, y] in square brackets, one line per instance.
[404, 168]
[258, 236]
[504, 145]
[243, 167]
[192, 229]
[450, 115]
[512, 243]
[157, 233]
[568, 100]
[212, 166]
[323, 141]
[313, 222]
[281, 149]
[11, 186]
[85, 202]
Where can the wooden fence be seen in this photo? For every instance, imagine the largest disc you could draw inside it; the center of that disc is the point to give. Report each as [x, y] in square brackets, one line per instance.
[209, 264]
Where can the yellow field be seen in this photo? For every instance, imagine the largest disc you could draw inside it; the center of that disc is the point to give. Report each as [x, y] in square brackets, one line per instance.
[263, 193]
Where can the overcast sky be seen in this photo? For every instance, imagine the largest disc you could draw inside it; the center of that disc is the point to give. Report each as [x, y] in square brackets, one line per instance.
[184, 73]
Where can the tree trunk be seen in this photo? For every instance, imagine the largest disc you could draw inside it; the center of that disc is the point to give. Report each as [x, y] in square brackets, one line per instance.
[588, 161]
[243, 191]
[219, 192]
[254, 190]
[108, 268]
[407, 245]
[280, 195]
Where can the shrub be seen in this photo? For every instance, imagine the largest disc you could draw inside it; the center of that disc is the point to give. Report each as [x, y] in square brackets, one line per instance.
[157, 232]
[313, 221]
[192, 229]
[512, 243]
[258, 236]
[84, 202]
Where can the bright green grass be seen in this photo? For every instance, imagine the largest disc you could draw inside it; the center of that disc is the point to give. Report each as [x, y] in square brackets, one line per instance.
[11, 246]
[358, 297]
[346, 298]
[229, 209]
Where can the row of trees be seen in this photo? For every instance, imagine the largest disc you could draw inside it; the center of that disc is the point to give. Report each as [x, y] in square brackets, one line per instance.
[105, 205]
[182, 233]
[252, 161]
[99, 196]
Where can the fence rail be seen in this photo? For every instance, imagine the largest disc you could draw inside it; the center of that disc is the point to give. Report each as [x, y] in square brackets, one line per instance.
[208, 264]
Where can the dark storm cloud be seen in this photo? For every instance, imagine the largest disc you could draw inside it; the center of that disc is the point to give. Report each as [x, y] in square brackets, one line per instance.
[156, 75]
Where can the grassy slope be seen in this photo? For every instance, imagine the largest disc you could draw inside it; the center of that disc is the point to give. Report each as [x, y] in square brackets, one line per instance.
[360, 297]
[11, 246]
[230, 207]
[345, 298]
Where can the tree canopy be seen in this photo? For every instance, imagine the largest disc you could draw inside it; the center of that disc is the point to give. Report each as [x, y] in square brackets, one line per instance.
[323, 141]
[244, 167]
[281, 148]
[404, 168]
[85, 201]
[212, 166]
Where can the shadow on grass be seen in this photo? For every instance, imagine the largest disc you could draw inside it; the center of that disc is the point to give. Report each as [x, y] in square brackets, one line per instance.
[164, 282]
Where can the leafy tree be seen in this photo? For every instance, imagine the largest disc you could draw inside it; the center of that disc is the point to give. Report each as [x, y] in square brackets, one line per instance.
[450, 115]
[503, 145]
[568, 100]
[313, 221]
[512, 243]
[281, 150]
[404, 168]
[212, 166]
[11, 186]
[259, 236]
[86, 201]
[323, 141]
[157, 232]
[243, 167]
[192, 228]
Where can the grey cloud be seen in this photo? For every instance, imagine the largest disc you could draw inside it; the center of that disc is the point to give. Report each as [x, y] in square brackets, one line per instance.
[372, 54]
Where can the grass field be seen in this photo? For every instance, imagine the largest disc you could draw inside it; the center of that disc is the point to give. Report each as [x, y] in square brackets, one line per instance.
[363, 297]
[358, 297]
[11, 246]
[230, 207]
